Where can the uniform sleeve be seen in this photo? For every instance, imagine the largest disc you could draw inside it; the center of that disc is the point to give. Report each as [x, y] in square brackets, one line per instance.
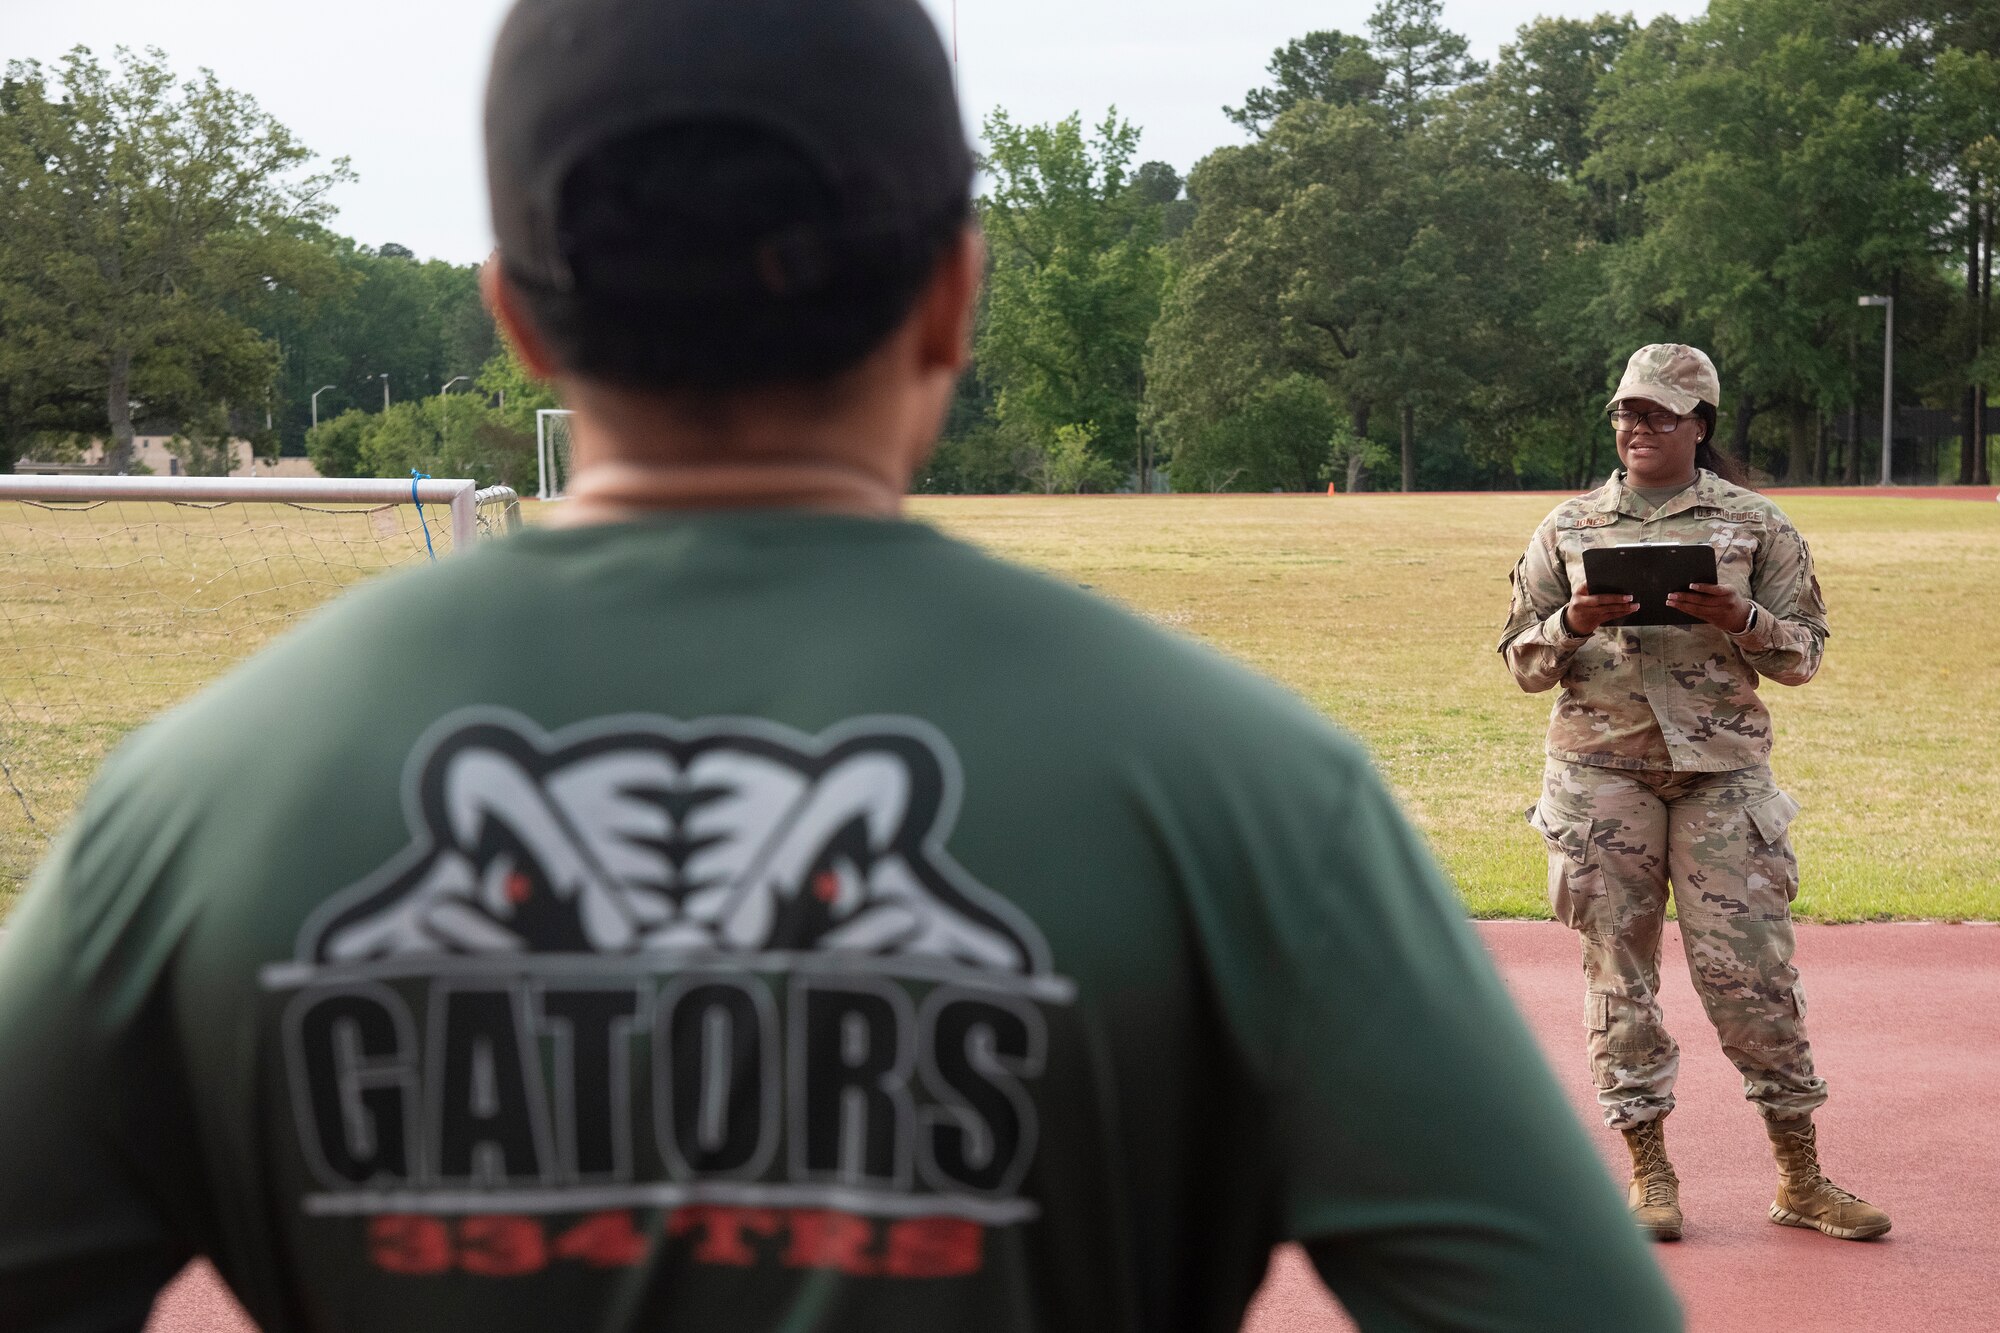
[88, 1124]
[1788, 637]
[1537, 647]
[1431, 1165]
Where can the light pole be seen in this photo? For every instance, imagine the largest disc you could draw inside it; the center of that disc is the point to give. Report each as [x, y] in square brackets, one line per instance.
[1888, 304]
[316, 393]
[448, 383]
[384, 377]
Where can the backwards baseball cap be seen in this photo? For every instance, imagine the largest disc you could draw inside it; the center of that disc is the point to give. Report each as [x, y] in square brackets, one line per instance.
[736, 175]
[1673, 375]
[862, 88]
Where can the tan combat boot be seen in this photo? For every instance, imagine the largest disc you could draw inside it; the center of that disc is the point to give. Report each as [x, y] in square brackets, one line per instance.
[1808, 1199]
[1654, 1195]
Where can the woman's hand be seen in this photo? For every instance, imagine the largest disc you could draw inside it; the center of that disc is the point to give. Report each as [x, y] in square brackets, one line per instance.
[1725, 608]
[1587, 610]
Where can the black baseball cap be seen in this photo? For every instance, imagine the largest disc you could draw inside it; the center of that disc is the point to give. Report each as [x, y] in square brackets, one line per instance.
[862, 90]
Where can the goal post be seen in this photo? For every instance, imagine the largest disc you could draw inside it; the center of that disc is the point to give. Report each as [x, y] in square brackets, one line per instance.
[552, 452]
[460, 497]
[120, 596]
[498, 511]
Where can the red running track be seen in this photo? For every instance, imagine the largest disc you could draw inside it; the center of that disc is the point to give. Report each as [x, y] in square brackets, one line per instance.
[1905, 1022]
[1984, 494]
[1987, 494]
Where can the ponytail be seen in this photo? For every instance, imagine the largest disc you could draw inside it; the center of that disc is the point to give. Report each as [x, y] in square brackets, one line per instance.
[1708, 456]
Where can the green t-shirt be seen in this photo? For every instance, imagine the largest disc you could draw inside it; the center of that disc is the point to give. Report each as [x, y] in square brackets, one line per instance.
[768, 921]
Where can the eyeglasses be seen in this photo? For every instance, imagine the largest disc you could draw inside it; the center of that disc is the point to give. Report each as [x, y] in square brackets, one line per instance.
[1657, 423]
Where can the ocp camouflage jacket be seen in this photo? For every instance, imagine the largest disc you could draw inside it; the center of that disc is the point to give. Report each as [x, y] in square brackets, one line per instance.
[1680, 697]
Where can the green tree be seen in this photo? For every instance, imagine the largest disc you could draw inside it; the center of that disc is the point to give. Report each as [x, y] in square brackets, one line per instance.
[1954, 43]
[1536, 417]
[1388, 266]
[470, 441]
[1984, 372]
[142, 222]
[1351, 243]
[455, 435]
[205, 445]
[1771, 157]
[1542, 95]
[1921, 28]
[334, 446]
[1961, 124]
[467, 337]
[975, 455]
[984, 459]
[402, 438]
[1350, 456]
[1158, 186]
[420, 324]
[1330, 66]
[516, 394]
[1247, 302]
[1076, 278]
[1278, 440]
[1068, 464]
[1422, 60]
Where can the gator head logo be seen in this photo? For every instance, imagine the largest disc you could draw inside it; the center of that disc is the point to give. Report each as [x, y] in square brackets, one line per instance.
[644, 835]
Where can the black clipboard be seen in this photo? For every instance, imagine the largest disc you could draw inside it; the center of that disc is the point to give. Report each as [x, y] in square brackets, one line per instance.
[1649, 571]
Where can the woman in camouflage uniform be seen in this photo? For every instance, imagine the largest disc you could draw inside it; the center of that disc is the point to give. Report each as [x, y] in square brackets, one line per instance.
[1658, 774]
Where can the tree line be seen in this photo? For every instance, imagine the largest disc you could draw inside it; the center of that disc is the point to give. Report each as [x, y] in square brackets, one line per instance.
[1425, 272]
[167, 266]
[1418, 271]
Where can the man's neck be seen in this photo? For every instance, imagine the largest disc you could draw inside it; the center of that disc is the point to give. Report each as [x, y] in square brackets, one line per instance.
[632, 455]
[617, 492]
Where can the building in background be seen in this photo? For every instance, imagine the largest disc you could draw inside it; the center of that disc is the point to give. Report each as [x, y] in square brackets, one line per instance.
[154, 454]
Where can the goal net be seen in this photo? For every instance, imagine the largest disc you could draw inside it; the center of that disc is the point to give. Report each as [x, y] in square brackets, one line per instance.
[120, 596]
[552, 452]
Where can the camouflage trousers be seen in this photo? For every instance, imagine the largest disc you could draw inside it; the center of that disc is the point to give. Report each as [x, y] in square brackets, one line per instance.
[1617, 839]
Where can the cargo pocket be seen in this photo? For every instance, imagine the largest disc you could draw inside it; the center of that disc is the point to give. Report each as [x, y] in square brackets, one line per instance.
[1772, 817]
[1620, 1024]
[1775, 1030]
[1576, 881]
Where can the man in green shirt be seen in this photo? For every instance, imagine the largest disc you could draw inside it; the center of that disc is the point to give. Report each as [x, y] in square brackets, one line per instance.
[740, 908]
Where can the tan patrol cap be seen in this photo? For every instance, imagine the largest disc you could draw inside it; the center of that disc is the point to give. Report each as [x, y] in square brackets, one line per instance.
[1673, 375]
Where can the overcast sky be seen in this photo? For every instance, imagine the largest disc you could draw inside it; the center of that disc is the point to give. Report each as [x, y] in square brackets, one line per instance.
[394, 84]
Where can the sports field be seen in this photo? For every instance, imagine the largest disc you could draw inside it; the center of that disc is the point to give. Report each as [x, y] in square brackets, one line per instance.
[1382, 611]
[110, 611]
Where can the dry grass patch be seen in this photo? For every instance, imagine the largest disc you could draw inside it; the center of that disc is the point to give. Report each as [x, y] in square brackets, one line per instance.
[1380, 610]
[1383, 611]
[110, 612]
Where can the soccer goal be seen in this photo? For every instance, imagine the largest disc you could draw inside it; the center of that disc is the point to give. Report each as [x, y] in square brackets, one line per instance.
[119, 596]
[552, 452]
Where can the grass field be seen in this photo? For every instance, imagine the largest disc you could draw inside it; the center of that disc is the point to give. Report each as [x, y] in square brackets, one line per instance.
[1381, 610]
[112, 611]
